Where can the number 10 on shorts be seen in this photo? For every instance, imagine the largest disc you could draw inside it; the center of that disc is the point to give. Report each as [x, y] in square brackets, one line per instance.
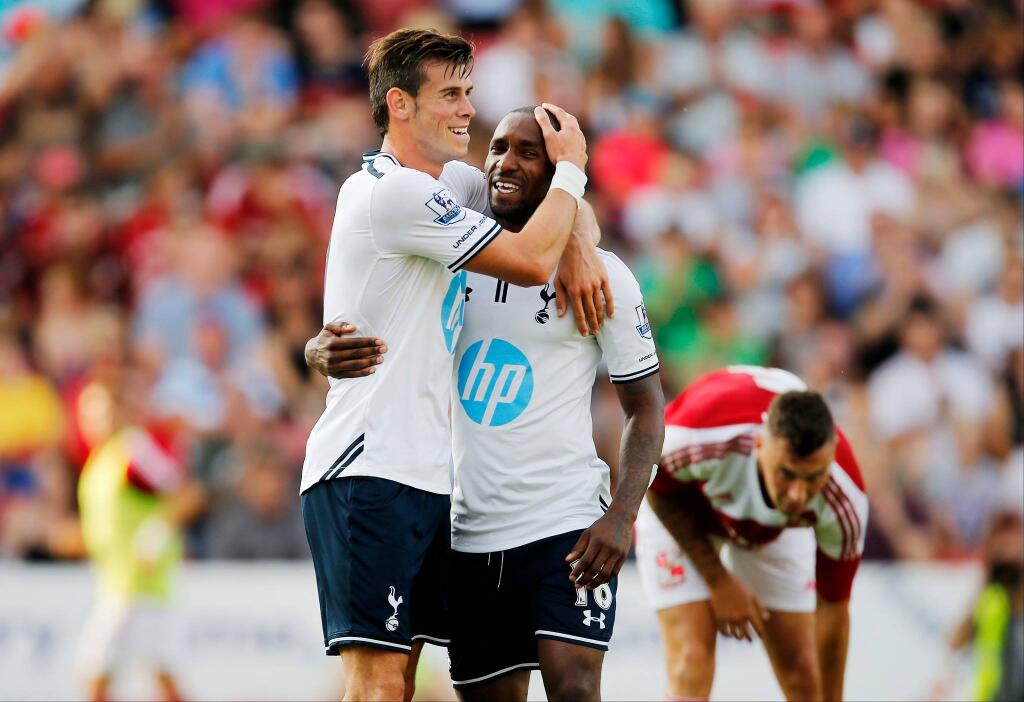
[602, 594]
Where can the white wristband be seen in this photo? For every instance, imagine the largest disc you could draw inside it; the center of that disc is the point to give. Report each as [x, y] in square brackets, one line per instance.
[570, 178]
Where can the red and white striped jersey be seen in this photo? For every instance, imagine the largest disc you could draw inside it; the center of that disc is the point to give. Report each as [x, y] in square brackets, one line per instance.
[709, 459]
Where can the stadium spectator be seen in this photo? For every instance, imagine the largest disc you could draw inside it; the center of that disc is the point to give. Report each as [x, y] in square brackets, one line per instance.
[33, 488]
[240, 85]
[202, 283]
[934, 407]
[261, 520]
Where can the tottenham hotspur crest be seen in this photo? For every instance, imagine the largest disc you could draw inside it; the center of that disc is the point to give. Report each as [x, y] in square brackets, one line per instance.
[392, 622]
[547, 295]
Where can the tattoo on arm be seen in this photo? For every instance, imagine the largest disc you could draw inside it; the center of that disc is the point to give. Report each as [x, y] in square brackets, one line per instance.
[642, 439]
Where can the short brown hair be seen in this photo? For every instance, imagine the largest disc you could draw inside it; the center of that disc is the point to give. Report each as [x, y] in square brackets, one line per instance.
[397, 60]
[803, 419]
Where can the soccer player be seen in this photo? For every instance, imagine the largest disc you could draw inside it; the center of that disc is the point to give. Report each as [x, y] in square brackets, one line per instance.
[133, 496]
[537, 541]
[375, 482]
[751, 458]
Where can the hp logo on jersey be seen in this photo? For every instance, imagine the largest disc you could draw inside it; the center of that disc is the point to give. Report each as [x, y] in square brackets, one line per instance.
[452, 310]
[495, 382]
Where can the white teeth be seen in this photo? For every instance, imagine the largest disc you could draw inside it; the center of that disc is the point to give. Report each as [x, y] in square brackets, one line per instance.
[503, 187]
[461, 132]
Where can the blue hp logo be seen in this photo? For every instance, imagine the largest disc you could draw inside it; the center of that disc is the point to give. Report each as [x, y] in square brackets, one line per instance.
[495, 382]
[452, 308]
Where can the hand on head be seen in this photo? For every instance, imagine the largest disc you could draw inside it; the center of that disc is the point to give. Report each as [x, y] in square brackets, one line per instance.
[568, 142]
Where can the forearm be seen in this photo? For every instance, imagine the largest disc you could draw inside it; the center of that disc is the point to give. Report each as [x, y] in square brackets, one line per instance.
[641, 447]
[642, 441]
[585, 229]
[545, 235]
[581, 239]
[832, 624]
[682, 524]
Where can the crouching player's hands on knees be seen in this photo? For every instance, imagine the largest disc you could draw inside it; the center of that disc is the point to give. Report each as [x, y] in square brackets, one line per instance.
[335, 353]
[738, 612]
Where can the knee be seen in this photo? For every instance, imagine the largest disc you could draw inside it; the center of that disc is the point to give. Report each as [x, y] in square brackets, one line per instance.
[576, 686]
[693, 661]
[801, 680]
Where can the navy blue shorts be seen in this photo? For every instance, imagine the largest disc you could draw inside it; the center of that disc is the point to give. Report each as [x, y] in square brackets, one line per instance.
[502, 602]
[380, 551]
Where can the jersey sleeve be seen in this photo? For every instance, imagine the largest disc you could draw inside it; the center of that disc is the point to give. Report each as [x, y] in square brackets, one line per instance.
[841, 527]
[468, 185]
[414, 214]
[152, 468]
[625, 339]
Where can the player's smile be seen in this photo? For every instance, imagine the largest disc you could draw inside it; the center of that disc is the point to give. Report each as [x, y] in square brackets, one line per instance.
[460, 133]
[506, 189]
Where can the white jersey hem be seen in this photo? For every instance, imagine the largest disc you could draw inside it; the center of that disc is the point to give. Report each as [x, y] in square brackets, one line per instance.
[425, 485]
[477, 545]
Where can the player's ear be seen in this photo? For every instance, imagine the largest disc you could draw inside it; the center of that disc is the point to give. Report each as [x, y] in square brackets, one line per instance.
[399, 103]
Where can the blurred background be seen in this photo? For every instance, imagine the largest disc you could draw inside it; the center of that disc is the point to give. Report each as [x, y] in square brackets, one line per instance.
[829, 186]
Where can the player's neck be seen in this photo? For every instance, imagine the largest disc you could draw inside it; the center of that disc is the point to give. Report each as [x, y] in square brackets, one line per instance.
[512, 225]
[409, 155]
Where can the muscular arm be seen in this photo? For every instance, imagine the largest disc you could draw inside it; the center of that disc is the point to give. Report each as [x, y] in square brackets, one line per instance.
[738, 613]
[602, 549]
[681, 521]
[644, 406]
[529, 257]
[832, 624]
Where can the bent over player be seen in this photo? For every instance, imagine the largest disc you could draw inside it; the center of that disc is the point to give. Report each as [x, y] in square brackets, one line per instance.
[536, 535]
[375, 480]
[761, 516]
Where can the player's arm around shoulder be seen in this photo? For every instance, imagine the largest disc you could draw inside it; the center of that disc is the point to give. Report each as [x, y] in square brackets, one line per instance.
[335, 353]
[581, 280]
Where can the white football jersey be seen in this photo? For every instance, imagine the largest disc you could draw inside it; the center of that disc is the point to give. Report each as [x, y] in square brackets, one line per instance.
[525, 463]
[394, 270]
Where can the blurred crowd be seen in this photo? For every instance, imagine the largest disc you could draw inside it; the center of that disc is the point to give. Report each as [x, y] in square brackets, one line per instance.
[830, 186]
